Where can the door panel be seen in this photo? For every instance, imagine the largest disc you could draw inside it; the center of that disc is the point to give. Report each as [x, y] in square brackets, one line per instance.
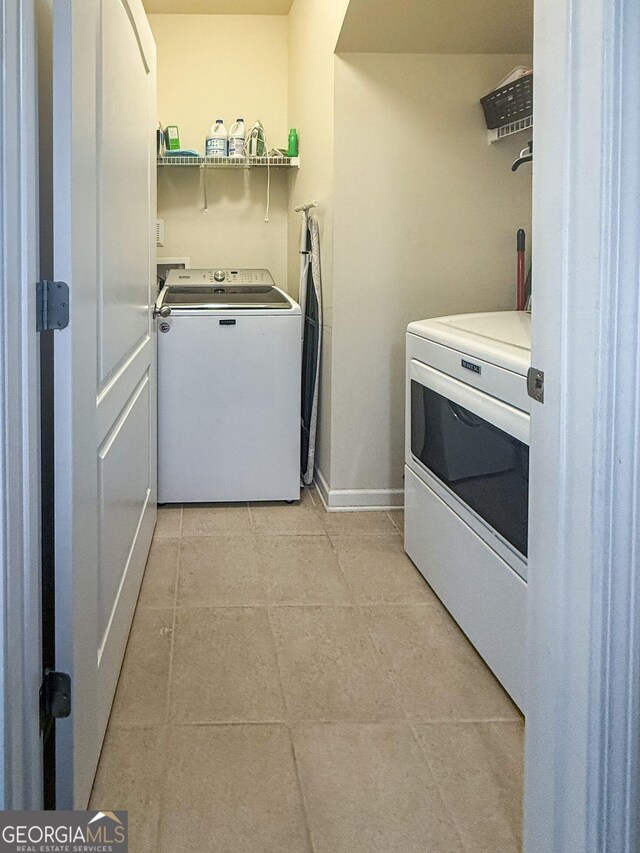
[124, 121]
[105, 423]
[123, 492]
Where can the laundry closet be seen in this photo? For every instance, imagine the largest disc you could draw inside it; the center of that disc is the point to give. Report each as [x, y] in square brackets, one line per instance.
[418, 211]
[424, 202]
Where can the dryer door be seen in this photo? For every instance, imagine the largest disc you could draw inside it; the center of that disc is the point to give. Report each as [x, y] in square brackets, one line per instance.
[476, 446]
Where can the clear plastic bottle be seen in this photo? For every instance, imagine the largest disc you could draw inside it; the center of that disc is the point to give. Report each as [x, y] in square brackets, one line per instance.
[236, 138]
[216, 144]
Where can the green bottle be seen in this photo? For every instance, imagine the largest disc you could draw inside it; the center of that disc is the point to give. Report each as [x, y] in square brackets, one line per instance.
[292, 151]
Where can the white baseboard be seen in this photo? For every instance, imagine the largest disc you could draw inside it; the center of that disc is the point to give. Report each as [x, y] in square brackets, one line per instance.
[357, 500]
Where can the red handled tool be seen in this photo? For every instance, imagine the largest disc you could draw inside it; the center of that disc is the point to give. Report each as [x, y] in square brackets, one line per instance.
[521, 297]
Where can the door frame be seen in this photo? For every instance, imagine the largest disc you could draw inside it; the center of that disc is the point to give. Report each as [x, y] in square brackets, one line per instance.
[20, 642]
[582, 736]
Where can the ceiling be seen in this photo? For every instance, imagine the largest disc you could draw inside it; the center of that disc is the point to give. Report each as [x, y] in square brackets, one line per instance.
[437, 26]
[218, 7]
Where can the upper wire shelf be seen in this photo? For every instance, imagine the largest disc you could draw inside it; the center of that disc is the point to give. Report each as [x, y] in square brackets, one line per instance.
[231, 162]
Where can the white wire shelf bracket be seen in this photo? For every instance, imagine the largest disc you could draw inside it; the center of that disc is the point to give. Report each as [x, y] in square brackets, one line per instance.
[232, 162]
[509, 129]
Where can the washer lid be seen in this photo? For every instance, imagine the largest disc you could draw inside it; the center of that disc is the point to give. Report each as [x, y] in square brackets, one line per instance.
[236, 297]
[502, 338]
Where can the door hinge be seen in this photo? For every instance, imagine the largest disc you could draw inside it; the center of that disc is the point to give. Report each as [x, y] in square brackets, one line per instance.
[55, 696]
[535, 384]
[52, 305]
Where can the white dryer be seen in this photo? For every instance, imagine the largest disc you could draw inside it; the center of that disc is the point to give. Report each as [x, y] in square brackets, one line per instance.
[467, 477]
[228, 388]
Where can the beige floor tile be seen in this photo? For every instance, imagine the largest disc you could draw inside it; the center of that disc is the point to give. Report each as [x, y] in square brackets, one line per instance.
[478, 768]
[141, 697]
[129, 777]
[302, 570]
[397, 517]
[379, 572]
[219, 571]
[159, 581]
[232, 789]
[354, 523]
[282, 519]
[438, 672]
[224, 667]
[367, 789]
[168, 522]
[216, 520]
[330, 669]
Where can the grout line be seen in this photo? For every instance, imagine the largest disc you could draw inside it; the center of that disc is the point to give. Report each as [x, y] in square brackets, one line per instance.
[305, 808]
[439, 786]
[161, 798]
[465, 721]
[385, 664]
[278, 667]
[163, 783]
[375, 605]
[173, 627]
[313, 721]
[354, 598]
[308, 605]
[303, 803]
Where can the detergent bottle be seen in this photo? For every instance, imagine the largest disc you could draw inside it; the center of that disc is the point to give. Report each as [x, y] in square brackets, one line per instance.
[292, 149]
[236, 138]
[216, 144]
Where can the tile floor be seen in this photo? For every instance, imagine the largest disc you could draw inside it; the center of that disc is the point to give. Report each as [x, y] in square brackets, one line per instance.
[292, 684]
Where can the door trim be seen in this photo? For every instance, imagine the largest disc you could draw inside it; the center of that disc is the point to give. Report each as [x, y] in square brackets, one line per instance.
[581, 767]
[20, 643]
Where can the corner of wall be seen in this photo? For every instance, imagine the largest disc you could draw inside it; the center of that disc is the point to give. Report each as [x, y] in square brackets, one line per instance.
[313, 32]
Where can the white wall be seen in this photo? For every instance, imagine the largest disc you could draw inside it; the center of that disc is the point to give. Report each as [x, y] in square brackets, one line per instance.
[314, 26]
[425, 217]
[223, 66]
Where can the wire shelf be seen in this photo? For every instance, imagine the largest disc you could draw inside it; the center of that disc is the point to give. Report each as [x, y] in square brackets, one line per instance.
[232, 162]
[509, 129]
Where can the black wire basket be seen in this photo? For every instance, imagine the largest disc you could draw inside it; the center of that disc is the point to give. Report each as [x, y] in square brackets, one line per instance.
[509, 103]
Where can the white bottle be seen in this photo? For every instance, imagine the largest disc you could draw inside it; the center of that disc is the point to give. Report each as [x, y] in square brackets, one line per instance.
[216, 144]
[236, 138]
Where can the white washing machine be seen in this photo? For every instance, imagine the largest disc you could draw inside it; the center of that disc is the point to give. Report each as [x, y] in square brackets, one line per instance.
[467, 477]
[228, 388]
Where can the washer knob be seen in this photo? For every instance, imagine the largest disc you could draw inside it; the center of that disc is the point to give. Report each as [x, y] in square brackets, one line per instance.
[219, 275]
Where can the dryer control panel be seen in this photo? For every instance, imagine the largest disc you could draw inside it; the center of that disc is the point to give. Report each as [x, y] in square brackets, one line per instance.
[220, 276]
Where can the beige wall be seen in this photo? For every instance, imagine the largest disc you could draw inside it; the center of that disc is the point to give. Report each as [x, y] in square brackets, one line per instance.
[417, 213]
[424, 221]
[314, 26]
[223, 66]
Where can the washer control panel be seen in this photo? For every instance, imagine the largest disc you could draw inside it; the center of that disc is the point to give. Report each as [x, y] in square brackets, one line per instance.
[220, 276]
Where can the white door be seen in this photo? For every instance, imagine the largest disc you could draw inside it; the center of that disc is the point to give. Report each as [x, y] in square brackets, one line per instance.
[105, 406]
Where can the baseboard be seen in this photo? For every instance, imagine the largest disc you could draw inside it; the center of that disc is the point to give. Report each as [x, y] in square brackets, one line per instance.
[357, 500]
